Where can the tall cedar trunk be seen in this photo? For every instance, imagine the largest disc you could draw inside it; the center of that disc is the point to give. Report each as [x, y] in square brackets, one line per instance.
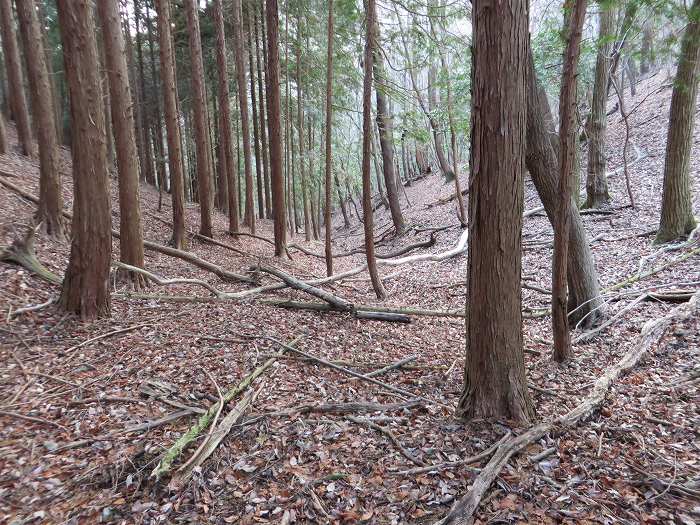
[494, 376]
[341, 201]
[300, 133]
[366, 152]
[222, 167]
[263, 135]
[13, 66]
[567, 154]
[106, 106]
[130, 231]
[172, 124]
[249, 219]
[437, 132]
[226, 141]
[676, 202]
[135, 82]
[257, 123]
[156, 128]
[199, 108]
[329, 148]
[85, 289]
[288, 139]
[313, 201]
[646, 59]
[50, 198]
[596, 180]
[386, 139]
[57, 101]
[272, 79]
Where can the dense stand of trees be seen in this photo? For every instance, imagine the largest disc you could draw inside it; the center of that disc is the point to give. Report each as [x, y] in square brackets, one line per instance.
[223, 104]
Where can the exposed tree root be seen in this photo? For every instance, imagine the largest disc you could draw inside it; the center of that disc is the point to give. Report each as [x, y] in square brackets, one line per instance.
[21, 252]
[652, 332]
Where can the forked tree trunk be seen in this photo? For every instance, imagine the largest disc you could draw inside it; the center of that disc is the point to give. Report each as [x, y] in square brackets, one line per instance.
[85, 289]
[226, 140]
[130, 230]
[199, 108]
[329, 149]
[676, 202]
[50, 198]
[13, 66]
[249, 219]
[172, 124]
[494, 376]
[596, 179]
[274, 125]
[366, 152]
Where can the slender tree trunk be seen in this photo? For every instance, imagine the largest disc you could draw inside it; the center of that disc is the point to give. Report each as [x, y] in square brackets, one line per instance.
[172, 124]
[135, 81]
[226, 141]
[3, 135]
[50, 198]
[567, 152]
[199, 108]
[300, 134]
[142, 120]
[329, 148]
[85, 289]
[596, 180]
[341, 201]
[274, 125]
[249, 219]
[13, 66]
[366, 152]
[130, 230]
[262, 66]
[257, 123]
[677, 217]
[646, 60]
[494, 377]
[437, 132]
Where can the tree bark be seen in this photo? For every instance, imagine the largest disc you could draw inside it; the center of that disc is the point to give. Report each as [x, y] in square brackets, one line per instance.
[329, 149]
[596, 180]
[85, 288]
[261, 65]
[257, 122]
[341, 201]
[676, 201]
[13, 66]
[300, 132]
[272, 79]
[50, 197]
[366, 151]
[3, 135]
[494, 376]
[130, 230]
[172, 124]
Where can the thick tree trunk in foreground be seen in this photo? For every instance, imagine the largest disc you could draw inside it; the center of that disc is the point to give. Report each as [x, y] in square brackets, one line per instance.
[542, 162]
[50, 198]
[329, 149]
[199, 108]
[567, 156]
[226, 140]
[274, 126]
[13, 66]
[676, 202]
[366, 152]
[172, 124]
[249, 218]
[494, 376]
[596, 180]
[130, 231]
[85, 288]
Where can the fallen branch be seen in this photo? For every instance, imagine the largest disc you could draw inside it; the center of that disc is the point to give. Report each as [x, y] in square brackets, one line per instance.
[70, 350]
[388, 433]
[32, 308]
[392, 366]
[652, 332]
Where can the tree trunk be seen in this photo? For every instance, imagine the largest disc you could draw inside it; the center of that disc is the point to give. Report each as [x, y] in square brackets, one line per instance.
[437, 133]
[172, 124]
[567, 154]
[341, 201]
[144, 144]
[494, 376]
[329, 149]
[85, 289]
[272, 79]
[263, 135]
[135, 79]
[676, 201]
[130, 231]
[596, 180]
[249, 219]
[257, 122]
[646, 59]
[631, 8]
[366, 151]
[300, 132]
[50, 197]
[226, 141]
[199, 108]
[3, 135]
[13, 66]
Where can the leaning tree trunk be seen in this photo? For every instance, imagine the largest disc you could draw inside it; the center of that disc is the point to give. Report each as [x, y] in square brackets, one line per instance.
[676, 202]
[50, 198]
[172, 123]
[494, 375]
[13, 66]
[596, 180]
[130, 230]
[85, 288]
[199, 108]
[542, 161]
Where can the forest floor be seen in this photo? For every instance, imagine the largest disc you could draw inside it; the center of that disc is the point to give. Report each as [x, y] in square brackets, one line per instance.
[69, 452]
